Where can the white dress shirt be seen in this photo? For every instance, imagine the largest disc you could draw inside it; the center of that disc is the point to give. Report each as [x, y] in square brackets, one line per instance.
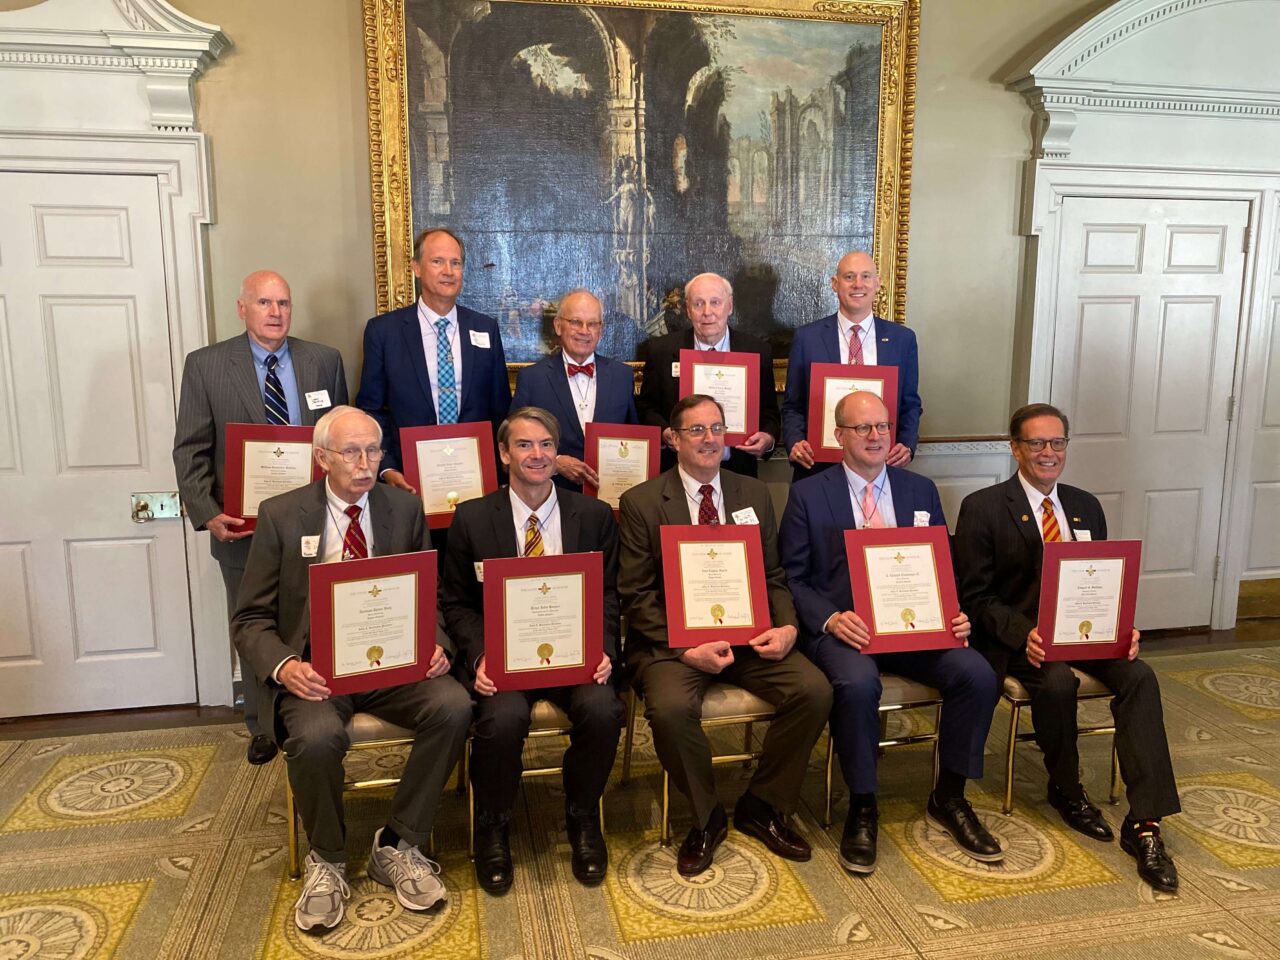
[1036, 499]
[427, 323]
[583, 390]
[548, 515]
[880, 491]
[866, 332]
[721, 344]
[693, 494]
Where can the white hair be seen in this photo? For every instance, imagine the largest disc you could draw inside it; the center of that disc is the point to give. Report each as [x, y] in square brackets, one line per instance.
[324, 426]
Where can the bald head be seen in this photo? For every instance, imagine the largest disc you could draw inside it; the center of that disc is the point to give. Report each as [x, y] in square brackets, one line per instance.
[266, 307]
[579, 324]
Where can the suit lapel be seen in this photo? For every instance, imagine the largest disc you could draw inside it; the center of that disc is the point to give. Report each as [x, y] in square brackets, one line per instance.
[886, 345]
[383, 528]
[504, 524]
[674, 503]
[1077, 514]
[411, 336]
[829, 339]
[304, 374]
[836, 487]
[558, 381]
[570, 528]
[904, 505]
[1022, 518]
[469, 363]
[245, 378]
[311, 519]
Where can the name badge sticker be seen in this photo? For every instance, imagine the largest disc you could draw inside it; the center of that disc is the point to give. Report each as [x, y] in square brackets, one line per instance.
[921, 518]
[1084, 535]
[675, 369]
[311, 546]
[747, 516]
[318, 400]
[479, 565]
[480, 338]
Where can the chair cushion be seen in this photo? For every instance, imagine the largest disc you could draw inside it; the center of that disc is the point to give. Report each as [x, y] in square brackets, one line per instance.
[366, 728]
[1089, 687]
[725, 700]
[896, 690]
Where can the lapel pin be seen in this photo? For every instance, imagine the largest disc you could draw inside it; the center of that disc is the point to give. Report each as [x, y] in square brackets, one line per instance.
[1025, 518]
[884, 339]
[1075, 519]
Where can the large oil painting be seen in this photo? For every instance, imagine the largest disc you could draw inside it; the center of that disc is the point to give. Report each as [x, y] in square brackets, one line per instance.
[626, 147]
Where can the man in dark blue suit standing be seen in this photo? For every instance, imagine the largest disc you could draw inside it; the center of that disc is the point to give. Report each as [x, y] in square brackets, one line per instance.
[434, 362]
[864, 492]
[578, 385]
[851, 335]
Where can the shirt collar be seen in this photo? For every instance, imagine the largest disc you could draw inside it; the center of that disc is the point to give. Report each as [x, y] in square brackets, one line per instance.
[520, 510]
[568, 360]
[847, 325]
[722, 344]
[1034, 496]
[692, 487]
[339, 506]
[857, 484]
[428, 316]
[260, 353]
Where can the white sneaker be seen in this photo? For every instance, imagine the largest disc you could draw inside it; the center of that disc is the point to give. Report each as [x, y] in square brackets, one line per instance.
[415, 879]
[324, 894]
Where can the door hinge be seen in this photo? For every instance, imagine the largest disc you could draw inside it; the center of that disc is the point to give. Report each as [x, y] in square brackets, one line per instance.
[1231, 408]
[1217, 567]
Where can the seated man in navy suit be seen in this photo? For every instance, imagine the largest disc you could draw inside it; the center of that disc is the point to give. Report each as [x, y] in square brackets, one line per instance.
[434, 362]
[578, 386]
[851, 335]
[864, 492]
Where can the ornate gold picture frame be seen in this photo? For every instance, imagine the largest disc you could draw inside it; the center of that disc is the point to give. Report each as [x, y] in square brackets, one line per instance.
[625, 146]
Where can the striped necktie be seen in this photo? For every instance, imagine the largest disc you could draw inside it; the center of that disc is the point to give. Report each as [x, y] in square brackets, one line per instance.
[276, 405]
[448, 387]
[354, 545]
[532, 538]
[1049, 523]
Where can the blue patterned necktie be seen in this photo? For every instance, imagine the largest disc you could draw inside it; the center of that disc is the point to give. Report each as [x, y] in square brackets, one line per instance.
[273, 395]
[448, 406]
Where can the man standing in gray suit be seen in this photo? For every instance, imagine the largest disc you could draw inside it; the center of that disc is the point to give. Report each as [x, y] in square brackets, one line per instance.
[262, 376]
[347, 515]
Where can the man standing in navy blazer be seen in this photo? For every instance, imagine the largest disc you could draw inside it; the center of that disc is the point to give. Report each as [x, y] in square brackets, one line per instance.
[864, 492]
[851, 335]
[578, 386]
[435, 362]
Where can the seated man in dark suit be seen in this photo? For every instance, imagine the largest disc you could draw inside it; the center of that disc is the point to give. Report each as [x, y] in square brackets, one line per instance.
[673, 682]
[433, 362]
[1000, 539]
[578, 386]
[865, 492]
[532, 518]
[851, 335]
[708, 301]
[345, 516]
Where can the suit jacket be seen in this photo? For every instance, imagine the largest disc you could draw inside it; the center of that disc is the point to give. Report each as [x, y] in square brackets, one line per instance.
[484, 529]
[811, 538]
[644, 509]
[998, 558]
[545, 384]
[394, 386]
[660, 390]
[819, 342]
[273, 617]
[219, 386]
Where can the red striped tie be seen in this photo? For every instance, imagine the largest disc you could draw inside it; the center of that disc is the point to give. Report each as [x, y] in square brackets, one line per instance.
[1049, 523]
[354, 545]
[708, 515]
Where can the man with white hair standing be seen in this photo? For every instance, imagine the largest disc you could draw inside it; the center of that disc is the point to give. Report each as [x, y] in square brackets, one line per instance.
[346, 515]
[708, 302]
[260, 376]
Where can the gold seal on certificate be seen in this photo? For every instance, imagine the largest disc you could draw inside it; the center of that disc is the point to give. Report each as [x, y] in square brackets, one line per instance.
[904, 588]
[717, 613]
[375, 655]
[727, 384]
[1088, 605]
[449, 472]
[272, 468]
[1086, 628]
[717, 587]
[545, 620]
[375, 623]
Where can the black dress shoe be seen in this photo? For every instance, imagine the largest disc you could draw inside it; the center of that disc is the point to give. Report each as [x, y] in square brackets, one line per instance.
[1142, 841]
[758, 819]
[858, 845]
[700, 845]
[493, 856]
[261, 750]
[1081, 815]
[957, 818]
[590, 856]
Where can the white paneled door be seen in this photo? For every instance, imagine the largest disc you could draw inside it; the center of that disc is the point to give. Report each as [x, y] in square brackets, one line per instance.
[95, 607]
[1148, 312]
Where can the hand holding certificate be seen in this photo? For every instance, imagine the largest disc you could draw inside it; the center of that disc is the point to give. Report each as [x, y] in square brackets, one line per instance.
[732, 378]
[373, 621]
[1088, 597]
[715, 584]
[903, 587]
[448, 465]
[828, 382]
[262, 462]
[622, 456]
[543, 620]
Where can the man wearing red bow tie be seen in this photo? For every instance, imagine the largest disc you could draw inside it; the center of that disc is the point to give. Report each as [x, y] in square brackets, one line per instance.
[577, 385]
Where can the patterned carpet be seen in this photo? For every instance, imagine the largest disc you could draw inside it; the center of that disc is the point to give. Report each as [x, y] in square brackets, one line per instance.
[166, 844]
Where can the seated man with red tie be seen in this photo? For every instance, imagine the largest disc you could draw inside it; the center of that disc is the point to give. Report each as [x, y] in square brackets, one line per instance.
[345, 516]
[578, 386]
[532, 517]
[864, 492]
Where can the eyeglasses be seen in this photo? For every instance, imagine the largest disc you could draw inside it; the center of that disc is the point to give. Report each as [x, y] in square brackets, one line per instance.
[698, 430]
[589, 325]
[352, 454]
[1035, 446]
[864, 429]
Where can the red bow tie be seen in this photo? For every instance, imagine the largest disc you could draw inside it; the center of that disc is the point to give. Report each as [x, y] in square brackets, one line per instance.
[588, 368]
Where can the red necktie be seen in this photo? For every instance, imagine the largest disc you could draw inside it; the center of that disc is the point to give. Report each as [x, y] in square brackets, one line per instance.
[855, 345]
[707, 514]
[1049, 523]
[588, 368]
[354, 545]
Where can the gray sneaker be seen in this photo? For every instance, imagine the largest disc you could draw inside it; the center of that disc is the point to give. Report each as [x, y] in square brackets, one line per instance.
[414, 878]
[324, 894]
